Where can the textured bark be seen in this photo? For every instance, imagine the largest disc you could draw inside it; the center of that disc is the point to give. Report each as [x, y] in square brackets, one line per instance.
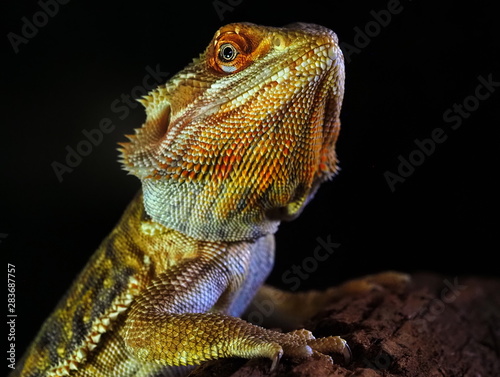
[439, 326]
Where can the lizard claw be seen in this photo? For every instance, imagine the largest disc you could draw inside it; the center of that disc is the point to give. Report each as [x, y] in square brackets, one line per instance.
[293, 350]
[276, 360]
[347, 353]
[319, 347]
[332, 344]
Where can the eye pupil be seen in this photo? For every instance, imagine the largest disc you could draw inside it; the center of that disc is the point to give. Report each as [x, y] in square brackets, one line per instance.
[227, 52]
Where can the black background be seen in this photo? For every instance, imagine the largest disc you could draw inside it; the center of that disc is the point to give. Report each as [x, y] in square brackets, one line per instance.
[427, 58]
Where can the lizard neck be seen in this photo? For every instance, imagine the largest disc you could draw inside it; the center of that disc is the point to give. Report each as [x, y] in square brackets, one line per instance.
[163, 246]
[193, 210]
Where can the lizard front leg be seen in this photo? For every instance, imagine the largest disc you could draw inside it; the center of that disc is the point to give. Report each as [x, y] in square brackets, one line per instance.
[171, 323]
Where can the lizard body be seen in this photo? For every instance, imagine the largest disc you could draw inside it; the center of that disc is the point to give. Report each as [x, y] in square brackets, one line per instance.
[233, 144]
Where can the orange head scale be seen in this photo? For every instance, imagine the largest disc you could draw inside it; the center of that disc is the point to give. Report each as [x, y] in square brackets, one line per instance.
[242, 137]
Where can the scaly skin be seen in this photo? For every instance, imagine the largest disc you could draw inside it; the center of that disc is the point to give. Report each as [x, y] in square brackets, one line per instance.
[233, 144]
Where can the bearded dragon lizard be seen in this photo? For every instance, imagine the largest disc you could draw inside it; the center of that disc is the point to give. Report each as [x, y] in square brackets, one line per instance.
[234, 143]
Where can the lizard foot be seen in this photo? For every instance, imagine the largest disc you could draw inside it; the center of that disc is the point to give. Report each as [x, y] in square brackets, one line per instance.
[301, 344]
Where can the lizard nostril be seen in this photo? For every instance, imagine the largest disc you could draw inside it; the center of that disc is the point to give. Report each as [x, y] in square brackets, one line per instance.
[279, 43]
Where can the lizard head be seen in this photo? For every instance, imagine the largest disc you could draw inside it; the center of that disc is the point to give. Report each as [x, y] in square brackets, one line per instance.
[243, 136]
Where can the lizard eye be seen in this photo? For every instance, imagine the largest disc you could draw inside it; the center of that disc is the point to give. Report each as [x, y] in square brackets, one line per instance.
[231, 52]
[227, 52]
